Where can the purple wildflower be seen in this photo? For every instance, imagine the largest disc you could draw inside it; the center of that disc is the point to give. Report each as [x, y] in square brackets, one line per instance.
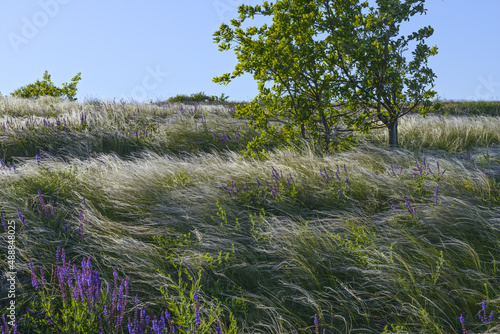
[436, 194]
[34, 281]
[3, 222]
[21, 217]
[483, 317]
[63, 257]
[58, 253]
[197, 311]
[42, 202]
[316, 324]
[410, 209]
[218, 329]
[394, 207]
[143, 314]
[5, 327]
[131, 329]
[43, 276]
[462, 321]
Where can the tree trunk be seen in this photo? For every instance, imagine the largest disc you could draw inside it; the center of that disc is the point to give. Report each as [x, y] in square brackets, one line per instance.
[393, 133]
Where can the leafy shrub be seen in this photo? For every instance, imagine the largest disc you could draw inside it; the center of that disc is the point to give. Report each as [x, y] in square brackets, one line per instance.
[47, 88]
[198, 97]
[483, 108]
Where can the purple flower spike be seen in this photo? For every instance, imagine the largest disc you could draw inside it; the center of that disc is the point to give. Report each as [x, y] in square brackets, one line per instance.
[436, 194]
[482, 316]
[462, 321]
[34, 281]
[21, 217]
[43, 276]
[410, 209]
[197, 311]
[316, 324]
[58, 253]
[394, 207]
[3, 222]
[218, 329]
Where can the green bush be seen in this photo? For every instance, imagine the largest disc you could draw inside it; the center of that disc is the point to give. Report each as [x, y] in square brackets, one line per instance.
[464, 108]
[47, 88]
[198, 97]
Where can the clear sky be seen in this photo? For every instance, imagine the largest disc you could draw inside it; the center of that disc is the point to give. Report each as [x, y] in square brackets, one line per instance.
[160, 48]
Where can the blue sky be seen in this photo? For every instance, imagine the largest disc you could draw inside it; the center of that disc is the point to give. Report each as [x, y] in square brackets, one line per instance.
[159, 48]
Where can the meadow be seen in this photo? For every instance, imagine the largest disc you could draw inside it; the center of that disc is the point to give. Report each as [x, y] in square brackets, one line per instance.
[163, 219]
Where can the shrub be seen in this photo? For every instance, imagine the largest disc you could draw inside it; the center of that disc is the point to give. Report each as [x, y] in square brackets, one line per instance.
[47, 88]
[198, 97]
[73, 299]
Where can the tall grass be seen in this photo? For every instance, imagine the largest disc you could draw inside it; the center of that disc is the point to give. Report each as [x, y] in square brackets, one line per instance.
[370, 240]
[484, 108]
[451, 133]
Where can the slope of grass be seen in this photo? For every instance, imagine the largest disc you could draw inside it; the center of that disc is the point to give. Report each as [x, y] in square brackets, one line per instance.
[365, 239]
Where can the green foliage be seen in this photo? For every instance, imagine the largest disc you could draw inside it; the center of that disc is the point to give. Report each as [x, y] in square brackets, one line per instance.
[180, 179]
[50, 314]
[198, 97]
[325, 69]
[47, 88]
[357, 241]
[184, 308]
[395, 330]
[170, 244]
[484, 108]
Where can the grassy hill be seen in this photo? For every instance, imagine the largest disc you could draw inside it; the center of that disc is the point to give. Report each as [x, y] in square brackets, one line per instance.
[369, 240]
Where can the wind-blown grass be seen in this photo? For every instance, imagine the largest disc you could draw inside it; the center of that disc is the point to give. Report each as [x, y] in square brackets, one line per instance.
[365, 239]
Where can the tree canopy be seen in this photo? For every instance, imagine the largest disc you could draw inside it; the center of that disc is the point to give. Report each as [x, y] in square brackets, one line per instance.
[327, 68]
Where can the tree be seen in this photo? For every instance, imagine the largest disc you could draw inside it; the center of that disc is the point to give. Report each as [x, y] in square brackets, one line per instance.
[328, 68]
[47, 88]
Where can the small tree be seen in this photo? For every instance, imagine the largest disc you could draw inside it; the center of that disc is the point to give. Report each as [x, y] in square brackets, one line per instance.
[47, 88]
[326, 68]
